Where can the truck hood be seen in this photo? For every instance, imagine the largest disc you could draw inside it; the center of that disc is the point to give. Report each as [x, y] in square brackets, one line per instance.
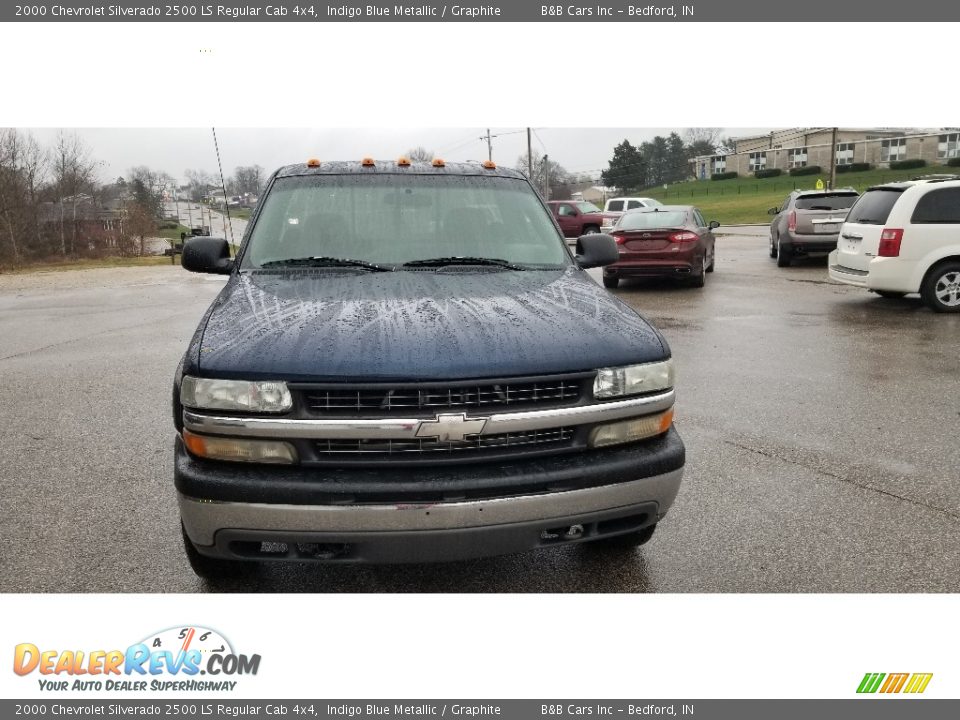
[419, 325]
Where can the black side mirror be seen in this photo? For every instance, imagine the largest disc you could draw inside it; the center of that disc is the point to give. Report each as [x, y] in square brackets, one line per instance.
[207, 255]
[773, 211]
[596, 250]
[714, 224]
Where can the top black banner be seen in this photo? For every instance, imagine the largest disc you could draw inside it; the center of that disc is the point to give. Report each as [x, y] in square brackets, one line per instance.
[498, 11]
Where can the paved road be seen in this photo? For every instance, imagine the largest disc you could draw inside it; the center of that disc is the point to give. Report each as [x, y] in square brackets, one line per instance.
[197, 215]
[820, 423]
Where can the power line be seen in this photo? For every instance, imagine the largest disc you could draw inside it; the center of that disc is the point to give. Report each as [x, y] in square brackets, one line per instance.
[537, 135]
[459, 144]
[488, 138]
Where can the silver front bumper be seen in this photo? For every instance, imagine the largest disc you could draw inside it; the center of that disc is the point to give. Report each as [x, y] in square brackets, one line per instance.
[204, 519]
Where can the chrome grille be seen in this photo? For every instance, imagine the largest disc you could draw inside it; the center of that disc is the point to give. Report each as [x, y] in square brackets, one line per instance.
[406, 400]
[519, 441]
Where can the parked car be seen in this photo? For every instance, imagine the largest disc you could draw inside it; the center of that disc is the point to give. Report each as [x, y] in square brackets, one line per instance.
[904, 238]
[615, 207]
[670, 240]
[576, 217]
[407, 364]
[808, 223]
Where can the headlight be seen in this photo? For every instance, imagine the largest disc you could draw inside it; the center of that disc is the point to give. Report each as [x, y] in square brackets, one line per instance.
[240, 449]
[238, 395]
[633, 379]
[631, 430]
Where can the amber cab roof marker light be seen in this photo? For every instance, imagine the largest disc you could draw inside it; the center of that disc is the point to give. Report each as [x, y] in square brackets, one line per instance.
[403, 162]
[313, 162]
[437, 162]
[367, 162]
[489, 164]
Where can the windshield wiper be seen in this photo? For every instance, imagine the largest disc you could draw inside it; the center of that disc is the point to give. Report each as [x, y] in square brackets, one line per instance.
[462, 260]
[325, 261]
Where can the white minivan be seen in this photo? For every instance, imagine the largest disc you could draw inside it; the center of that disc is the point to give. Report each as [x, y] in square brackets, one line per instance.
[904, 237]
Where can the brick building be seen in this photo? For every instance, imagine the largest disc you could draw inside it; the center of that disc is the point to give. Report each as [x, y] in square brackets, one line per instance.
[798, 147]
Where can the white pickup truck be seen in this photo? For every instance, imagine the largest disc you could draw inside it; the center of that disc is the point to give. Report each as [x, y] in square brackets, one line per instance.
[615, 207]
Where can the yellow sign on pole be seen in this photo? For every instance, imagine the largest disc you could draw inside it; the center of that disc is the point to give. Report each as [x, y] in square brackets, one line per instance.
[819, 184]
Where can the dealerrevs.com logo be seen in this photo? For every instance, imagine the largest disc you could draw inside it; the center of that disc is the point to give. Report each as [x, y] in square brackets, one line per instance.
[172, 659]
[892, 683]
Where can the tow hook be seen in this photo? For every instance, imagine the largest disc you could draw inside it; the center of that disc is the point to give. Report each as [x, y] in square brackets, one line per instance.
[573, 532]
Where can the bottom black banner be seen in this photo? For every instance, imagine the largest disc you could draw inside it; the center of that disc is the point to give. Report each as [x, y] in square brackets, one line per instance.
[873, 707]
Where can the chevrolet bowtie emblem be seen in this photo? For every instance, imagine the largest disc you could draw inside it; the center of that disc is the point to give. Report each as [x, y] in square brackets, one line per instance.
[450, 427]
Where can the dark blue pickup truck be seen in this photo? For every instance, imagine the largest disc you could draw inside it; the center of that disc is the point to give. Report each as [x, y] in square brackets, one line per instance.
[408, 364]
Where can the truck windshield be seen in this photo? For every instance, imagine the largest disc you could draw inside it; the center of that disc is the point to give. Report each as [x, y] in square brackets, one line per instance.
[392, 219]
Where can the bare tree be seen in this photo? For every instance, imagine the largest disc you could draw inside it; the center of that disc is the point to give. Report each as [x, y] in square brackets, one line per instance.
[420, 154]
[12, 188]
[547, 171]
[198, 181]
[35, 161]
[74, 173]
[247, 179]
[694, 135]
[140, 223]
[22, 172]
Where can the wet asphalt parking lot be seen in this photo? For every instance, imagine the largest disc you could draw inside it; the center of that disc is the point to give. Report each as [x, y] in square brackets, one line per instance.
[820, 423]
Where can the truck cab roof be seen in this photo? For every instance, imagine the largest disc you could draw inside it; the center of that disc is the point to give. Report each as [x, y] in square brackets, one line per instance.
[394, 167]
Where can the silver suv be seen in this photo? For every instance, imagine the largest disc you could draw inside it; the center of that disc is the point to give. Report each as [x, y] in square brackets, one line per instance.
[808, 223]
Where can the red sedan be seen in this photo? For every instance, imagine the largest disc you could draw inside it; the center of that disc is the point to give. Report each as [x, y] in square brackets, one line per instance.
[666, 241]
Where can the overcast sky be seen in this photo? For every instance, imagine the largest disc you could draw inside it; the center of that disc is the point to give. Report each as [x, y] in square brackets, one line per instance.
[175, 150]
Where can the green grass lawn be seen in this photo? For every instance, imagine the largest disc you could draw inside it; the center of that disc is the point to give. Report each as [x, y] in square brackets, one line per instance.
[747, 199]
[174, 233]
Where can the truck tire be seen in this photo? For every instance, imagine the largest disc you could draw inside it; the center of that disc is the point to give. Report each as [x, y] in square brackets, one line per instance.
[610, 282]
[773, 248]
[589, 229]
[209, 568]
[941, 288]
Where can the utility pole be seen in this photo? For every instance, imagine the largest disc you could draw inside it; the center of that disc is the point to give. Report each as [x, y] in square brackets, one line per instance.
[546, 177]
[833, 160]
[529, 156]
[176, 201]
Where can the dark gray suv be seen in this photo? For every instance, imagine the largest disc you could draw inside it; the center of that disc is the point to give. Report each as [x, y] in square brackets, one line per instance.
[808, 222]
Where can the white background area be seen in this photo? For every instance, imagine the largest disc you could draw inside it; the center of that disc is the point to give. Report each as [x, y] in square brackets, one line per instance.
[319, 75]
